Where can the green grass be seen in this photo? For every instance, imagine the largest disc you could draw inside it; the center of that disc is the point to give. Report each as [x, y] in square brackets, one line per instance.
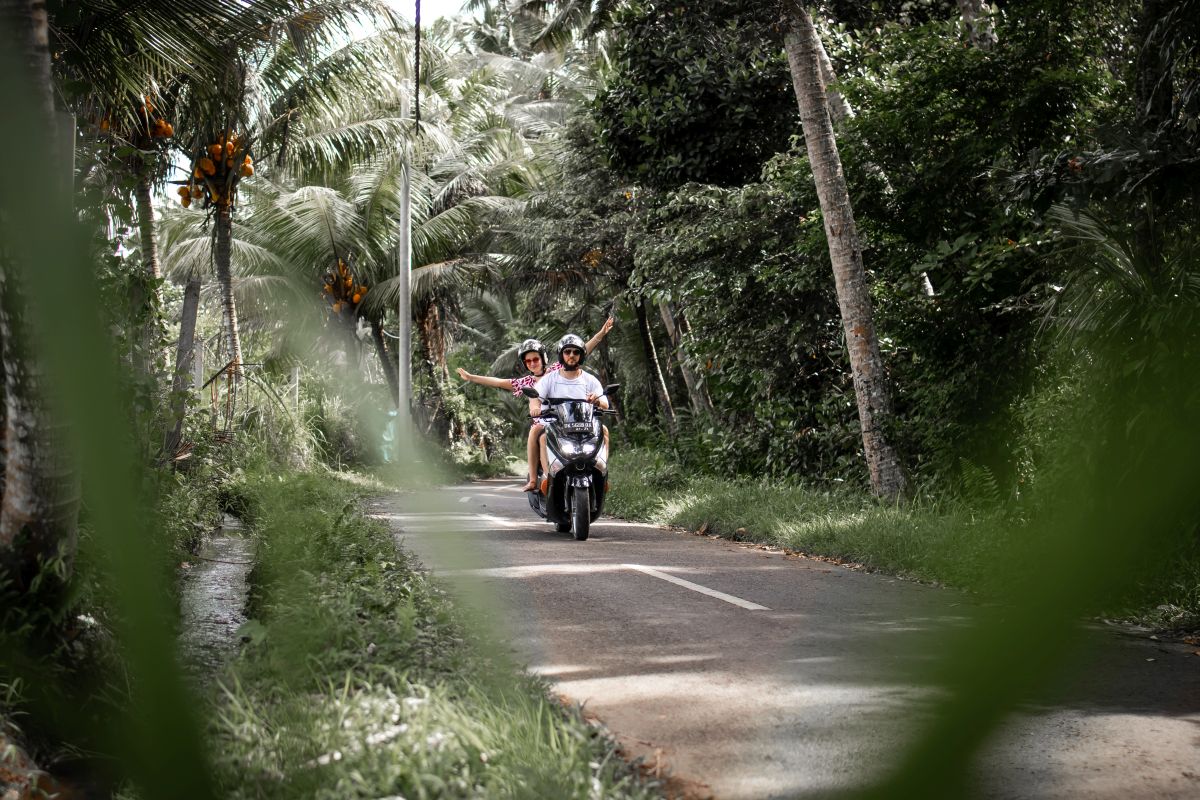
[362, 680]
[951, 543]
[953, 547]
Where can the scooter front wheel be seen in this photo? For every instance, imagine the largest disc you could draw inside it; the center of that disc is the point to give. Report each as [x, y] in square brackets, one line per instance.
[581, 513]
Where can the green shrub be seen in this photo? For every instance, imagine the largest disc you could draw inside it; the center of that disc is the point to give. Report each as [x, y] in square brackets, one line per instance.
[361, 679]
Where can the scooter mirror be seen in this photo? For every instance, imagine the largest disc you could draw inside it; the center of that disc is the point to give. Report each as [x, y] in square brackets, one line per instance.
[529, 391]
[611, 387]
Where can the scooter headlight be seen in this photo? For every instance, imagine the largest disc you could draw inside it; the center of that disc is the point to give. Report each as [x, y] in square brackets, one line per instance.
[571, 448]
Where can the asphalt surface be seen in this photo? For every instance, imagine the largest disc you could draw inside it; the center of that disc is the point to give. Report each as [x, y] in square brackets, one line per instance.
[743, 672]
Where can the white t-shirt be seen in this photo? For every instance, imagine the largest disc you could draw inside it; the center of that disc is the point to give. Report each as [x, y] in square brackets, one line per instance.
[555, 384]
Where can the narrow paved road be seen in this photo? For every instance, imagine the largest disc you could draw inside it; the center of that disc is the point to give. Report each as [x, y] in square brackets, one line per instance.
[747, 673]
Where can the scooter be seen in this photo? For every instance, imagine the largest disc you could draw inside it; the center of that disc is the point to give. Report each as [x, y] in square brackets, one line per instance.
[578, 464]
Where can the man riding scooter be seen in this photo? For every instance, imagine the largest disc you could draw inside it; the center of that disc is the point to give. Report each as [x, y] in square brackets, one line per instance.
[568, 382]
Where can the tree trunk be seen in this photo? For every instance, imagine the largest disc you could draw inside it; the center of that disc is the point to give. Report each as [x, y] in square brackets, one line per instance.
[840, 110]
[433, 338]
[1153, 90]
[697, 392]
[150, 303]
[184, 356]
[149, 242]
[654, 373]
[977, 19]
[40, 490]
[223, 257]
[433, 344]
[41, 495]
[385, 359]
[850, 277]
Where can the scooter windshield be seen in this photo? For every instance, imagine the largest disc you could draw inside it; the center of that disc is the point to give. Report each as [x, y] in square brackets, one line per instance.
[575, 416]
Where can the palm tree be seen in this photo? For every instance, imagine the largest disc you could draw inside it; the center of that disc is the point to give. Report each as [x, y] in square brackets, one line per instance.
[474, 153]
[232, 113]
[866, 363]
[338, 144]
[258, 281]
[523, 26]
[132, 66]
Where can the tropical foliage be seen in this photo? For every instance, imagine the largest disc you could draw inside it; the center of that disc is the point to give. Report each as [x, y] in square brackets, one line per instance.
[1023, 187]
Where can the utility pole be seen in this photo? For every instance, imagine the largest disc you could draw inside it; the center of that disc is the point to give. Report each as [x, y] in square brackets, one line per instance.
[404, 259]
[404, 304]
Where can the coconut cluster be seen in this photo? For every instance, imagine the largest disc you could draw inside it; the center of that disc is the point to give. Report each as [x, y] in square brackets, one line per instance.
[341, 290]
[151, 123]
[216, 170]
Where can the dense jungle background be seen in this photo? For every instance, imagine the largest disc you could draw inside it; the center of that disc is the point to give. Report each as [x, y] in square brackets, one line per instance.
[204, 255]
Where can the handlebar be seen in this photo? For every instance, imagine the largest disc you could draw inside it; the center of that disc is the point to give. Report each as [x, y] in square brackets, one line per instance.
[547, 414]
[532, 394]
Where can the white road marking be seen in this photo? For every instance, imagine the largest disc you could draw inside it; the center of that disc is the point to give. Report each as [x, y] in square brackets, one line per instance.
[534, 570]
[538, 570]
[447, 521]
[695, 587]
[435, 522]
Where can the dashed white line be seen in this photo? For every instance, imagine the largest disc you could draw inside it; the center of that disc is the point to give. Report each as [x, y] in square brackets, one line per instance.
[695, 587]
[429, 523]
[539, 570]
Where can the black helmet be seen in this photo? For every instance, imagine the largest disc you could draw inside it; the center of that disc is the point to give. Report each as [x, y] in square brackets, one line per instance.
[571, 340]
[531, 346]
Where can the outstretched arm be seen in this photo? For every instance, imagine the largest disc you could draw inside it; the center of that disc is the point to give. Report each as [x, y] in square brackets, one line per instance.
[593, 342]
[483, 380]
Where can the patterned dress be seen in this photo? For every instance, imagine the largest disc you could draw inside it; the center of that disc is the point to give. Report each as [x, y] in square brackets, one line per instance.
[529, 380]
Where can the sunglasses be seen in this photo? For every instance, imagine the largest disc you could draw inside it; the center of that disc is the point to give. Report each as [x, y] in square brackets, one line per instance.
[533, 360]
[572, 352]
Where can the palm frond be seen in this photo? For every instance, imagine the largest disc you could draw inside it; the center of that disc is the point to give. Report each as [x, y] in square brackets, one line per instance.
[193, 256]
[559, 32]
[275, 298]
[1115, 287]
[440, 279]
[313, 226]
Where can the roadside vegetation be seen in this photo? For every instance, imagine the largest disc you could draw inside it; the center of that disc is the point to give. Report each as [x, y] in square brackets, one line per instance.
[912, 284]
[361, 679]
[976, 546]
